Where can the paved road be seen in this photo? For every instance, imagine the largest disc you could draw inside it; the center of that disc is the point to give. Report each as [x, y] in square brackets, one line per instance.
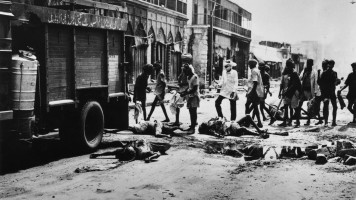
[187, 172]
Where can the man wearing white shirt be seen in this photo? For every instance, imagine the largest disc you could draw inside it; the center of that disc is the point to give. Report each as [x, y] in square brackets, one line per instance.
[229, 85]
[255, 91]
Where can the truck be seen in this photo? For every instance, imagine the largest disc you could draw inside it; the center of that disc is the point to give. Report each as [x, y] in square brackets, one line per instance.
[62, 67]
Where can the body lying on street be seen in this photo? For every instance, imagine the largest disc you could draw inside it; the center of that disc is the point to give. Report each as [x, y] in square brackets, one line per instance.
[220, 127]
[137, 150]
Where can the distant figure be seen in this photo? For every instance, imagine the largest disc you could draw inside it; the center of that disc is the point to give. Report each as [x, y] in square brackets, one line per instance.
[229, 84]
[309, 83]
[351, 95]
[327, 82]
[289, 91]
[141, 86]
[255, 91]
[160, 91]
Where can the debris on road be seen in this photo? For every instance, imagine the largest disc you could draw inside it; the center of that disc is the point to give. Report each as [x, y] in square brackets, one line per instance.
[100, 167]
[320, 153]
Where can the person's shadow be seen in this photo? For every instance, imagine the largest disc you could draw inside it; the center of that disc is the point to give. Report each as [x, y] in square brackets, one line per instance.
[347, 126]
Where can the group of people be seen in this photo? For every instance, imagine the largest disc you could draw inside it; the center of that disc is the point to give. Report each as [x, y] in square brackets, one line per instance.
[315, 87]
[188, 91]
[310, 85]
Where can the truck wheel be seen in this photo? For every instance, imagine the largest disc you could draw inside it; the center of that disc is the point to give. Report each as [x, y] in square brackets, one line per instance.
[91, 125]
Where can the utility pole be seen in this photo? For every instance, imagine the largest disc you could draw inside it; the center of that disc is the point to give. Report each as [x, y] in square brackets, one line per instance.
[211, 45]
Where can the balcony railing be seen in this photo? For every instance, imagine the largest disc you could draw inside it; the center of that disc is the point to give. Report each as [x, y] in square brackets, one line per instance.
[204, 19]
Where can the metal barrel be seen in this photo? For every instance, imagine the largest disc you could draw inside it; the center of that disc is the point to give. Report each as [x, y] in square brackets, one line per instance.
[22, 123]
[23, 89]
[23, 83]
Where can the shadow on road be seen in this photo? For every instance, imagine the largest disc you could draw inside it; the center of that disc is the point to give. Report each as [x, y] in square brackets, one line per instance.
[16, 154]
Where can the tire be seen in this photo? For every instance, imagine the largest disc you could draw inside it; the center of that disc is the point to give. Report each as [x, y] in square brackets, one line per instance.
[91, 125]
[85, 129]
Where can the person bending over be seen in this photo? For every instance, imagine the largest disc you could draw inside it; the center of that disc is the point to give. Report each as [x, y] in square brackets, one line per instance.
[193, 99]
[141, 87]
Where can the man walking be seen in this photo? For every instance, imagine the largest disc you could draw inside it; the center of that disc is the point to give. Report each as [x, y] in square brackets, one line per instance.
[351, 95]
[160, 91]
[141, 86]
[255, 91]
[229, 85]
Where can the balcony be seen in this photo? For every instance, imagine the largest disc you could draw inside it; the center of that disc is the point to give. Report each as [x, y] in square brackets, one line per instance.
[204, 19]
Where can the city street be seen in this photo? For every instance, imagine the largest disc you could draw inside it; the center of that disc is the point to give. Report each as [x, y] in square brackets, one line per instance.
[73, 74]
[187, 171]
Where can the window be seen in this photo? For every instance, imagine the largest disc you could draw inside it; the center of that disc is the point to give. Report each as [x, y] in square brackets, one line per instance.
[171, 4]
[217, 11]
[184, 8]
[162, 3]
[224, 14]
[195, 14]
[205, 15]
[180, 6]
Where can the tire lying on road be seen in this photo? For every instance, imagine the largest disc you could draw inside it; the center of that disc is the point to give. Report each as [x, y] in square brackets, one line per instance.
[84, 129]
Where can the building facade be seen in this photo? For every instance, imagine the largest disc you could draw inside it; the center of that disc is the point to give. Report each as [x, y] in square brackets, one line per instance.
[155, 33]
[217, 30]
[271, 53]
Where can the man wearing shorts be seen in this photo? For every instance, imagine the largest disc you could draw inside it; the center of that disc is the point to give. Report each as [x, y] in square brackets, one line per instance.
[308, 79]
[290, 91]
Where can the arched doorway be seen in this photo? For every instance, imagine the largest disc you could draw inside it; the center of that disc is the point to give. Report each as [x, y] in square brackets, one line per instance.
[152, 43]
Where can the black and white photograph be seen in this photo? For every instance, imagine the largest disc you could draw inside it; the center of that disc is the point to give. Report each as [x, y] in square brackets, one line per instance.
[178, 99]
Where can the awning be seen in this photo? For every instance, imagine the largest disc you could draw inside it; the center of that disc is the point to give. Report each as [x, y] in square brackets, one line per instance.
[266, 54]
